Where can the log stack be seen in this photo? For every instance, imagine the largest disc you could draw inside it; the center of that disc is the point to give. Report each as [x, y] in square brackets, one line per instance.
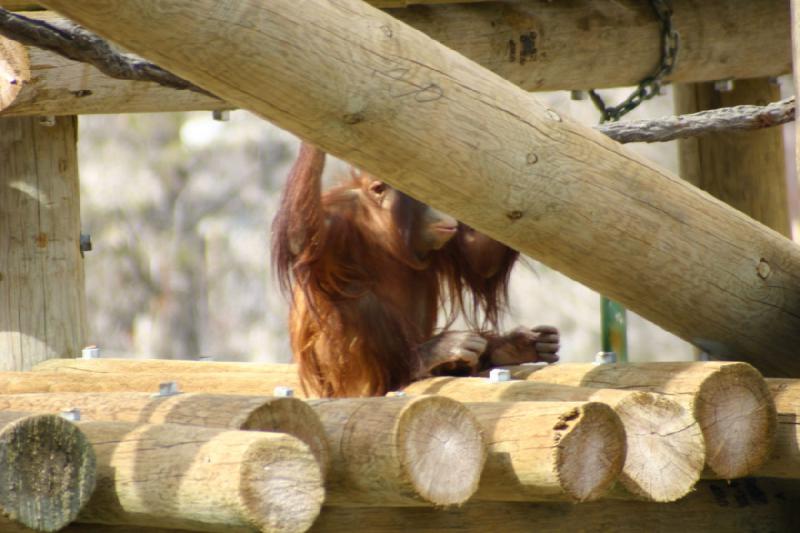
[556, 435]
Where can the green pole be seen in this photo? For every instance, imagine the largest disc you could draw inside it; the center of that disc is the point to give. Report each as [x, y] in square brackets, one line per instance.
[613, 321]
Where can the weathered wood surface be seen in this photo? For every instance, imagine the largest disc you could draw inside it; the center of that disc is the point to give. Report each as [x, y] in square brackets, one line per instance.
[202, 479]
[224, 411]
[795, 26]
[784, 461]
[43, 311]
[47, 472]
[55, 85]
[405, 108]
[756, 506]
[232, 383]
[401, 451]
[537, 44]
[105, 365]
[665, 449]
[568, 451]
[730, 401]
[545, 45]
[743, 169]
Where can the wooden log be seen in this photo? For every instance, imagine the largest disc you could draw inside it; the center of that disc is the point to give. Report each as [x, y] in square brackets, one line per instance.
[231, 383]
[744, 505]
[743, 169]
[665, 450]
[223, 411]
[795, 26]
[401, 451]
[784, 461]
[55, 85]
[542, 45]
[41, 270]
[47, 471]
[569, 451]
[537, 44]
[188, 477]
[14, 68]
[271, 371]
[730, 401]
[401, 106]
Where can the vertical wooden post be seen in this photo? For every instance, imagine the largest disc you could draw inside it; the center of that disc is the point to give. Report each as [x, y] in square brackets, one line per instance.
[42, 298]
[796, 68]
[743, 169]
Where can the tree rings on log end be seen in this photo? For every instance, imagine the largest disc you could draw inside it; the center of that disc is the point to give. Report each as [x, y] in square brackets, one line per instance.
[589, 450]
[281, 484]
[295, 417]
[14, 71]
[666, 449]
[441, 448]
[737, 415]
[47, 470]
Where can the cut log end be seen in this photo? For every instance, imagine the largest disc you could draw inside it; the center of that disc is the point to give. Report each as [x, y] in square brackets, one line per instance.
[589, 451]
[47, 471]
[14, 71]
[737, 415]
[295, 417]
[281, 485]
[442, 449]
[666, 450]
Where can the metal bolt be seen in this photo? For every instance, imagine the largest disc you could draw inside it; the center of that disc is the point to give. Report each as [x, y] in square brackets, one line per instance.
[723, 86]
[283, 392]
[73, 415]
[47, 121]
[604, 358]
[168, 388]
[577, 95]
[221, 115]
[498, 375]
[86, 243]
[90, 352]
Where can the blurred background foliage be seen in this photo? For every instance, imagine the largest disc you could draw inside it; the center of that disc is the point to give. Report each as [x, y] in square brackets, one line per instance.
[179, 207]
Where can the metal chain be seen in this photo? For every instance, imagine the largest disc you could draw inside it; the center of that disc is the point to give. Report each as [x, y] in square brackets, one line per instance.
[651, 85]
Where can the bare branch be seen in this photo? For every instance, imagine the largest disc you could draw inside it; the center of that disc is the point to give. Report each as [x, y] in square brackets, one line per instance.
[738, 118]
[79, 44]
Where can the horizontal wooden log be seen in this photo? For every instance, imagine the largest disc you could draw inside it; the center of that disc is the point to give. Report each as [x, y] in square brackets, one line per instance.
[49, 84]
[232, 383]
[103, 365]
[228, 411]
[543, 45]
[408, 109]
[569, 451]
[14, 69]
[730, 401]
[784, 461]
[764, 505]
[746, 505]
[401, 451]
[665, 449]
[47, 472]
[188, 477]
[537, 44]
